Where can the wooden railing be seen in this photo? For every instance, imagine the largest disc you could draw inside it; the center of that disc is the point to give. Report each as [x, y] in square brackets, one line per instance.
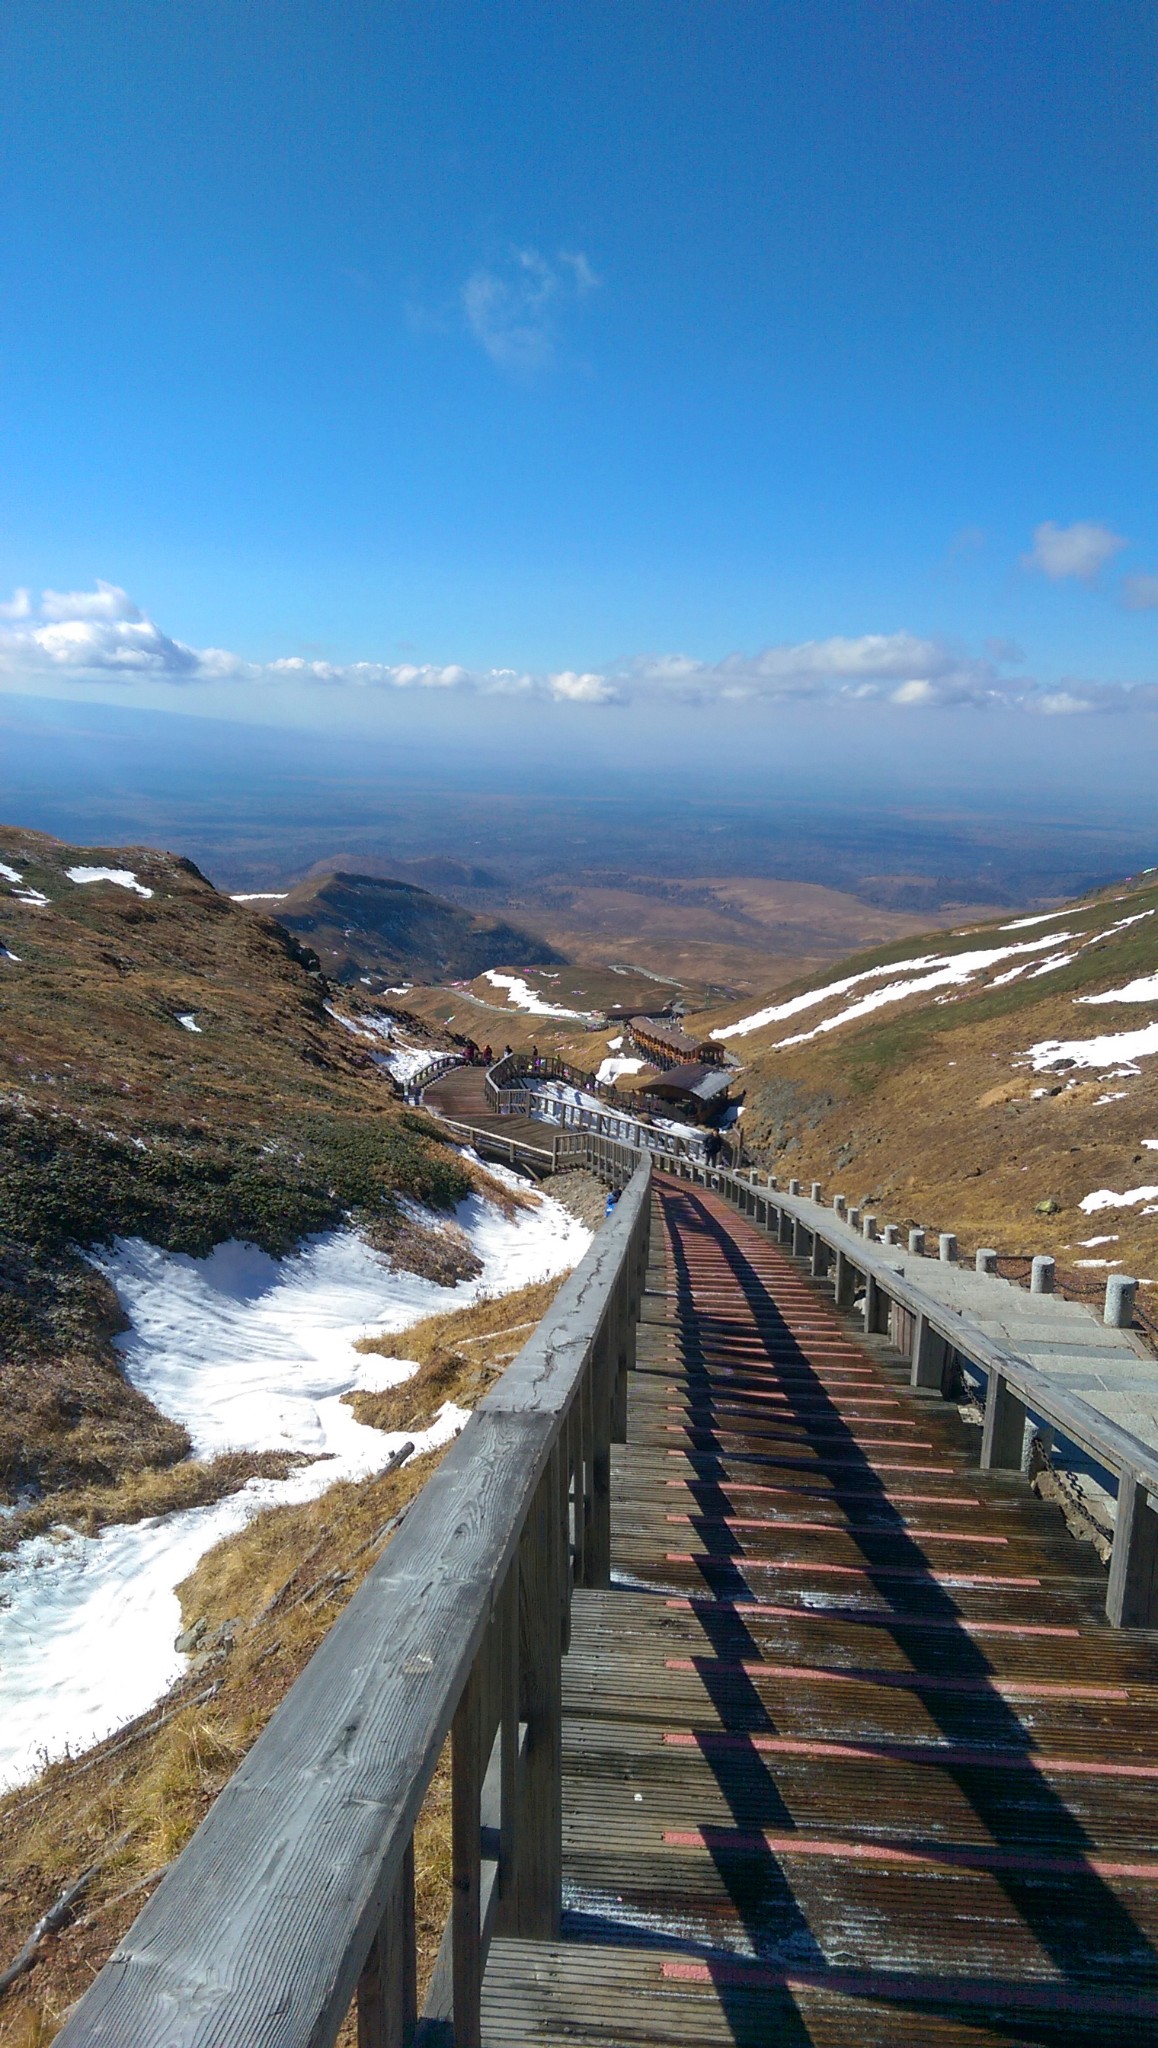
[438, 1064]
[515, 1086]
[608, 1122]
[937, 1337]
[296, 1895]
[508, 1081]
[558, 1151]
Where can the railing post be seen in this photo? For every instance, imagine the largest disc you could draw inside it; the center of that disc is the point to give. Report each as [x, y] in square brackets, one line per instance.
[544, 1601]
[818, 1264]
[388, 1985]
[1132, 1598]
[1003, 1435]
[597, 1571]
[621, 1329]
[1041, 1277]
[876, 1306]
[843, 1281]
[466, 1857]
[1121, 1294]
[928, 1355]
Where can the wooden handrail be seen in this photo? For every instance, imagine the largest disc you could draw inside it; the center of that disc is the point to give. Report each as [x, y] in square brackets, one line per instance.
[297, 1891]
[517, 1073]
[1015, 1390]
[438, 1064]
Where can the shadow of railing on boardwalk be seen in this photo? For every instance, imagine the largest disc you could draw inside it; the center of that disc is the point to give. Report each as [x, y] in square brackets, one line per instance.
[1092, 1943]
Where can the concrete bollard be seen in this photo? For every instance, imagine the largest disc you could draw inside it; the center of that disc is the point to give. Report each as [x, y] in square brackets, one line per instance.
[1121, 1293]
[794, 1187]
[869, 1227]
[986, 1262]
[815, 1191]
[948, 1248]
[839, 1207]
[917, 1243]
[892, 1233]
[1041, 1275]
[853, 1219]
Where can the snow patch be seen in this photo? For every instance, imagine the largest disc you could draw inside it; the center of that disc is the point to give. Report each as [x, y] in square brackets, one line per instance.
[1142, 990]
[405, 1062]
[249, 1352]
[123, 877]
[9, 874]
[1108, 1050]
[1022, 924]
[610, 1069]
[188, 1018]
[262, 896]
[402, 1061]
[1048, 966]
[1107, 1198]
[929, 971]
[523, 997]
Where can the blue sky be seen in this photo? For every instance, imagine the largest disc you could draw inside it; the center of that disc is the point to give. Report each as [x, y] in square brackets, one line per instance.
[746, 353]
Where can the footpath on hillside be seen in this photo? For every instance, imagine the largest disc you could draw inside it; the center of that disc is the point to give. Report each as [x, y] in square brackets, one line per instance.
[850, 1751]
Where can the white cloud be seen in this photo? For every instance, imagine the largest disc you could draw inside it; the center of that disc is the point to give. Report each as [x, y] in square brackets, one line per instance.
[107, 601]
[102, 633]
[581, 689]
[513, 308]
[1081, 550]
[89, 631]
[905, 669]
[1063, 704]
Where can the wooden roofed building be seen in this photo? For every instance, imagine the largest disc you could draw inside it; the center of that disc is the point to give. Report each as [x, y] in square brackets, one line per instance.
[664, 1042]
[690, 1089]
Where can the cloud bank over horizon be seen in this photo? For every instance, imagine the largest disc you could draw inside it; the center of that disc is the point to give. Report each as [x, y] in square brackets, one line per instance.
[103, 635]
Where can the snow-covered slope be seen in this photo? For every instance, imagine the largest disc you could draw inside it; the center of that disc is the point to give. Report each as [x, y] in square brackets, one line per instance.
[249, 1352]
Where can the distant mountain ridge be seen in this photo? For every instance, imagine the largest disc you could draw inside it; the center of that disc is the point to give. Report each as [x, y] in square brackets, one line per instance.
[430, 870]
[362, 925]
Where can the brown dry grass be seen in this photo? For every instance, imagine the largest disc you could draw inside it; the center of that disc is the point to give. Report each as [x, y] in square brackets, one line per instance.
[460, 1355]
[926, 1111]
[150, 1491]
[259, 1604]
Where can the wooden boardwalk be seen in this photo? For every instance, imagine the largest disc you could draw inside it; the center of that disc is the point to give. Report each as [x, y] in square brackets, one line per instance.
[461, 1094]
[851, 1755]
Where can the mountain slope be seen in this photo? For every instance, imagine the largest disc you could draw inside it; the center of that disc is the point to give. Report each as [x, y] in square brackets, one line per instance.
[368, 925]
[965, 1081]
[168, 1069]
